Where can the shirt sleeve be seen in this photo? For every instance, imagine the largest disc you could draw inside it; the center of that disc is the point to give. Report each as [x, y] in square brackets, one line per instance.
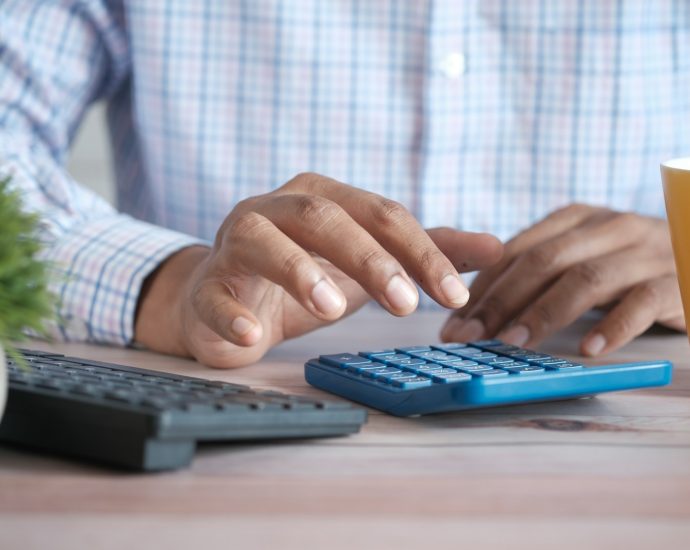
[56, 58]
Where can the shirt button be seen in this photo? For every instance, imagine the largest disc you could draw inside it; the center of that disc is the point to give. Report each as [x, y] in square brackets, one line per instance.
[452, 65]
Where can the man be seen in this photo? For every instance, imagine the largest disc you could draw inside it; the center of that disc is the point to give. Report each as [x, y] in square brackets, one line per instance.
[481, 116]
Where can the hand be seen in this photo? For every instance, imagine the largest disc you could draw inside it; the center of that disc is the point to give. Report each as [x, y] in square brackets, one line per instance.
[577, 258]
[299, 257]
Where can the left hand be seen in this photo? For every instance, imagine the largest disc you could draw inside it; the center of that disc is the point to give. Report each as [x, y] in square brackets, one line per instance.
[577, 258]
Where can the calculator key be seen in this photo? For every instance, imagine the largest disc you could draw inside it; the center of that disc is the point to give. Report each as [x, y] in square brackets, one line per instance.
[409, 362]
[373, 354]
[552, 362]
[501, 361]
[425, 368]
[367, 367]
[475, 368]
[450, 378]
[375, 373]
[490, 373]
[431, 355]
[443, 372]
[565, 366]
[533, 369]
[461, 363]
[390, 359]
[409, 349]
[467, 352]
[449, 346]
[486, 343]
[343, 360]
[411, 383]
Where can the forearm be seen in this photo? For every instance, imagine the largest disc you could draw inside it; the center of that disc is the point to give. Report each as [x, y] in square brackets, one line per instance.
[158, 324]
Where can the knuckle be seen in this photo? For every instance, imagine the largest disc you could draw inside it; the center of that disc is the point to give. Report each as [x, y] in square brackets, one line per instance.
[295, 266]
[649, 294]
[430, 259]
[540, 259]
[313, 210]
[372, 261]
[541, 317]
[302, 180]
[619, 326]
[247, 225]
[589, 274]
[492, 310]
[390, 213]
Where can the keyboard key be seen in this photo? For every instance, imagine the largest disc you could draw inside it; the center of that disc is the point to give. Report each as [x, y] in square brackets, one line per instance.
[450, 378]
[432, 355]
[461, 363]
[412, 383]
[564, 366]
[425, 368]
[501, 361]
[475, 368]
[343, 360]
[391, 359]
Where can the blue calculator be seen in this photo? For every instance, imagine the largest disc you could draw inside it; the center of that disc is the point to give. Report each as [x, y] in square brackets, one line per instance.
[417, 380]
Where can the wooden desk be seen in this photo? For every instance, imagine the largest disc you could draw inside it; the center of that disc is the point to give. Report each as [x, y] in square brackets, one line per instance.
[610, 472]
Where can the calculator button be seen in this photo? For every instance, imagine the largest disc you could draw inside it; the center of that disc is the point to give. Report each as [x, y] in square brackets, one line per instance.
[443, 372]
[565, 366]
[425, 368]
[411, 383]
[432, 355]
[490, 373]
[501, 361]
[486, 343]
[449, 346]
[361, 369]
[450, 378]
[461, 363]
[552, 362]
[409, 362]
[409, 349]
[372, 354]
[343, 360]
[467, 352]
[375, 373]
[475, 368]
[391, 359]
[533, 369]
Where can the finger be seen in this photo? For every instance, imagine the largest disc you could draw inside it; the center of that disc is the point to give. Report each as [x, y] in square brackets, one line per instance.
[578, 290]
[320, 225]
[222, 313]
[646, 303]
[467, 251]
[257, 246]
[534, 270]
[398, 232]
[557, 223]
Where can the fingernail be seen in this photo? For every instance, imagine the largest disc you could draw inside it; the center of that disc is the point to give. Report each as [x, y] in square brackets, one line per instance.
[400, 294]
[515, 336]
[241, 326]
[326, 297]
[594, 344]
[451, 328]
[454, 291]
[472, 329]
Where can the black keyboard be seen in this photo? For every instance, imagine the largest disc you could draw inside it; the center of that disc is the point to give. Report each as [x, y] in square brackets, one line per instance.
[148, 420]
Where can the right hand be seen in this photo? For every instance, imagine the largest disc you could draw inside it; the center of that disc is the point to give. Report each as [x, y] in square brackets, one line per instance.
[299, 257]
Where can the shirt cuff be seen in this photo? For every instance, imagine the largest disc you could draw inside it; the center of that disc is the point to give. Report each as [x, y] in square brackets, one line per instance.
[98, 268]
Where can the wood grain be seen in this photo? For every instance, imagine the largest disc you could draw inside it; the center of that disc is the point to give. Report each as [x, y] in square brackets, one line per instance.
[600, 473]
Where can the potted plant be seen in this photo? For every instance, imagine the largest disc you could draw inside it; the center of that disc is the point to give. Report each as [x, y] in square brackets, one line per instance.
[24, 299]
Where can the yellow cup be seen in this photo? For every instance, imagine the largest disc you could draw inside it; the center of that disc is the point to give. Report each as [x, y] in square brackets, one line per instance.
[676, 177]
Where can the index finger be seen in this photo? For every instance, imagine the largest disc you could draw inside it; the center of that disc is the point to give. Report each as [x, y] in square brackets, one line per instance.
[397, 230]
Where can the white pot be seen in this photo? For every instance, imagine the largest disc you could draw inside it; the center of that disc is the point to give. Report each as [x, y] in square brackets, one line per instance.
[3, 381]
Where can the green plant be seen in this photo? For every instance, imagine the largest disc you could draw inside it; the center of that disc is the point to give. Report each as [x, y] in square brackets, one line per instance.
[25, 301]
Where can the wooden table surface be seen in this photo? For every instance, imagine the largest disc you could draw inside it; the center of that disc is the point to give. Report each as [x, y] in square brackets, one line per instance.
[609, 472]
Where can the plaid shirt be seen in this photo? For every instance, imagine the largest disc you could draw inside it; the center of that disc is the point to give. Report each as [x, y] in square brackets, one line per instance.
[480, 114]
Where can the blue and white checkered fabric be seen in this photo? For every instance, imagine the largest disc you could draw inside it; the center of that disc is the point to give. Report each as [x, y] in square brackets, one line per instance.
[480, 114]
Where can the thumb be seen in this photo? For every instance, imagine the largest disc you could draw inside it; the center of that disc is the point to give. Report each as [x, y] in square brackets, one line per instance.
[467, 251]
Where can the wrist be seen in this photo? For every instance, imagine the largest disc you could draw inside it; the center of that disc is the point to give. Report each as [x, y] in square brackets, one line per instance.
[159, 318]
